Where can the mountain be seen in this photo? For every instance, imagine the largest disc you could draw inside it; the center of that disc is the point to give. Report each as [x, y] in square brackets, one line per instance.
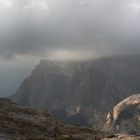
[88, 89]
[25, 123]
[125, 116]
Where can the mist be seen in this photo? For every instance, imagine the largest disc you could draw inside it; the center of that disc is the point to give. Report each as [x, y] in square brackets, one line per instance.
[31, 30]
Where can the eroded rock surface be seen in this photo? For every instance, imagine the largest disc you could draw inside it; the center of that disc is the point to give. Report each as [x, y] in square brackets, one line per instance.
[24, 123]
[125, 116]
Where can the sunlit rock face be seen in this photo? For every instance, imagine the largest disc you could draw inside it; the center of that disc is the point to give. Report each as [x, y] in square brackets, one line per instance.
[125, 116]
[88, 89]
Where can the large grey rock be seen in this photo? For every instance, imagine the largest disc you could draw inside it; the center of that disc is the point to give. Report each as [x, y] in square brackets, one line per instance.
[125, 116]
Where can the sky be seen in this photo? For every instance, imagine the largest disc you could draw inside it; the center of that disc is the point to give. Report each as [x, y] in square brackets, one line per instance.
[31, 30]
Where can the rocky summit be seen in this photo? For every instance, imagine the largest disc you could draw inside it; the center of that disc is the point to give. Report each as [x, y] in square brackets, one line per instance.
[80, 92]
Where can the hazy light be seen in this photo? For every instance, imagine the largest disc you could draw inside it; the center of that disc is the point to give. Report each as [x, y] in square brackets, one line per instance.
[41, 5]
[70, 55]
[83, 2]
[135, 5]
[6, 4]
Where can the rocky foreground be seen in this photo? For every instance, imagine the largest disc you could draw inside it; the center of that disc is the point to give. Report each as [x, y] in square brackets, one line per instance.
[24, 123]
[123, 137]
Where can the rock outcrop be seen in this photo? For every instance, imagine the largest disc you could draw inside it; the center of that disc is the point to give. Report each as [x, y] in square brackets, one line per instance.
[125, 116]
[122, 137]
[24, 123]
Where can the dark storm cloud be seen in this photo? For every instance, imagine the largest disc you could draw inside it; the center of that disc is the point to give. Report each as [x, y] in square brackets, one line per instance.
[33, 27]
[63, 29]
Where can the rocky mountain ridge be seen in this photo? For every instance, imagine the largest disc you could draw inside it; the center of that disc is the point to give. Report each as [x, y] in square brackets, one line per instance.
[87, 89]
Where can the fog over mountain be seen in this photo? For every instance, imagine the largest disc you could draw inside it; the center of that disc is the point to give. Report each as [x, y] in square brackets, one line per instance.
[63, 30]
[80, 92]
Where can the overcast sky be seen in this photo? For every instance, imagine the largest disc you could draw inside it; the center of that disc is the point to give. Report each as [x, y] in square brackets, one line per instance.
[31, 30]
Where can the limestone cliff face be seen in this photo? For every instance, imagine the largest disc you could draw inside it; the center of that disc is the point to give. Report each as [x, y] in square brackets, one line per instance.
[125, 116]
[130, 101]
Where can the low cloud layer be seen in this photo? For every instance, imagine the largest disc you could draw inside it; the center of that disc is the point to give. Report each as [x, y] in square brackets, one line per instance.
[31, 30]
[36, 27]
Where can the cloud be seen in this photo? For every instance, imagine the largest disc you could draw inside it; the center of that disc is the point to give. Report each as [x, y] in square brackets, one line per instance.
[69, 54]
[31, 30]
[6, 4]
[135, 5]
[36, 27]
[42, 5]
[83, 2]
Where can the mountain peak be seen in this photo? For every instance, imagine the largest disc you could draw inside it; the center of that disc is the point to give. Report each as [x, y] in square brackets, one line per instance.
[97, 86]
